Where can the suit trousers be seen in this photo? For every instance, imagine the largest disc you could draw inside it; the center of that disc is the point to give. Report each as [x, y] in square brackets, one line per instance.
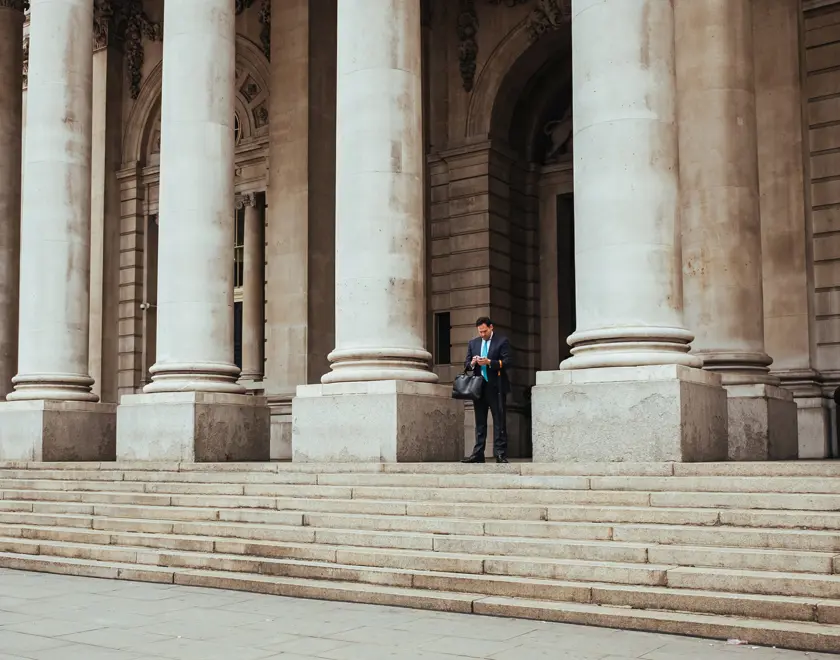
[492, 400]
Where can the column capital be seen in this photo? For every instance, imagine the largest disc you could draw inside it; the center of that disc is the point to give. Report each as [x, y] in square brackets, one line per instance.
[246, 199]
[20, 5]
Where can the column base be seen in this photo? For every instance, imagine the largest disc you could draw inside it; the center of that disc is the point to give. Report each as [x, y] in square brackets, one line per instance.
[200, 427]
[629, 414]
[763, 423]
[57, 431]
[379, 421]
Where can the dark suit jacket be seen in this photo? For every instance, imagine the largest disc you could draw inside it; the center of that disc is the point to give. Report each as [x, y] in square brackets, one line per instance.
[500, 361]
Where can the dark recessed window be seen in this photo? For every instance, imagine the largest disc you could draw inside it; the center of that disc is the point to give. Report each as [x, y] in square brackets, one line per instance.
[443, 334]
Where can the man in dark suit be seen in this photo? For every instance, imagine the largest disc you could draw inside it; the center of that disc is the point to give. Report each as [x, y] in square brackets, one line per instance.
[488, 355]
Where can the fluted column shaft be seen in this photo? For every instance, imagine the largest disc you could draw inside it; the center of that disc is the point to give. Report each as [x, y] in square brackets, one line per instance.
[253, 290]
[380, 261]
[55, 228]
[719, 175]
[195, 286]
[627, 250]
[11, 135]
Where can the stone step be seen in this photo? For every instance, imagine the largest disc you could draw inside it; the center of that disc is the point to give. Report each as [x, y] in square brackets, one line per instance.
[572, 513]
[805, 635]
[415, 533]
[646, 597]
[726, 469]
[265, 496]
[756, 582]
[276, 542]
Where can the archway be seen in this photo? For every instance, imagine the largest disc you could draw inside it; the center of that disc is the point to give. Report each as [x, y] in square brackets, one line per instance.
[530, 131]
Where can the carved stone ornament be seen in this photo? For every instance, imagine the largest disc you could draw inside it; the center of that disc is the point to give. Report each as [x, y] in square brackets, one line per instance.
[265, 21]
[265, 33]
[245, 199]
[549, 15]
[103, 14]
[135, 26]
[467, 44]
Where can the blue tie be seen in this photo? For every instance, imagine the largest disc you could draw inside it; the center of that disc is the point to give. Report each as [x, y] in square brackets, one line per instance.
[484, 355]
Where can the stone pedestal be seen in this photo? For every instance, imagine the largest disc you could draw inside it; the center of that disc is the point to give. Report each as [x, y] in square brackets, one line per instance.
[762, 423]
[379, 421]
[629, 414]
[202, 427]
[57, 431]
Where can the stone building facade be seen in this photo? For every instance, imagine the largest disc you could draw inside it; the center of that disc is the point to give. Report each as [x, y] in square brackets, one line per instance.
[640, 193]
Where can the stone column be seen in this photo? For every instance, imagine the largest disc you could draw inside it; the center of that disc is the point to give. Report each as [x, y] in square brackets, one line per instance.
[786, 232]
[53, 414]
[11, 137]
[194, 410]
[253, 289]
[380, 402]
[721, 224]
[631, 390]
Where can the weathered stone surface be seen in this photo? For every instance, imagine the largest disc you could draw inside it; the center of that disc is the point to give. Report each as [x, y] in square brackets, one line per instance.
[386, 421]
[57, 430]
[661, 413]
[192, 426]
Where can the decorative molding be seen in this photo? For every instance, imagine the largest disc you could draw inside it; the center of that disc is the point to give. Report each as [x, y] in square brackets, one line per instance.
[467, 31]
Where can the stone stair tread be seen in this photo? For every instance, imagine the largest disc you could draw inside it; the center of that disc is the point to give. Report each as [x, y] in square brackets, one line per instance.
[761, 469]
[790, 520]
[601, 586]
[791, 634]
[786, 634]
[35, 520]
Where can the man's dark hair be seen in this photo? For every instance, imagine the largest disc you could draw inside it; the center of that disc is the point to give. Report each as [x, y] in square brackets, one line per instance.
[483, 320]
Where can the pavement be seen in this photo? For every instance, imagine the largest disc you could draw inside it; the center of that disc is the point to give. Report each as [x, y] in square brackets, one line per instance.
[58, 617]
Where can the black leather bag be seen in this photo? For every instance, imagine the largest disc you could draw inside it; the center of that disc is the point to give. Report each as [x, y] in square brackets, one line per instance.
[467, 387]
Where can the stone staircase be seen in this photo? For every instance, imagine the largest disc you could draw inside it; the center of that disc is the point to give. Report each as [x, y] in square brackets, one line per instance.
[736, 550]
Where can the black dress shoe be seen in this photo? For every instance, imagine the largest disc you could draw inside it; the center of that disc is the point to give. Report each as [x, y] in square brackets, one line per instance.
[473, 459]
[502, 459]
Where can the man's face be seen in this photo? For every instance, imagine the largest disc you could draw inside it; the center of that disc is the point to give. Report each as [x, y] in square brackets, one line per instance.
[484, 331]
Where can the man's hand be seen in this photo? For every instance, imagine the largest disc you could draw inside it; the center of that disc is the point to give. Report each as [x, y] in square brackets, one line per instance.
[483, 361]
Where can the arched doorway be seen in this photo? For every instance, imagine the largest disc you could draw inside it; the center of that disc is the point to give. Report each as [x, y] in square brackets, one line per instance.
[521, 110]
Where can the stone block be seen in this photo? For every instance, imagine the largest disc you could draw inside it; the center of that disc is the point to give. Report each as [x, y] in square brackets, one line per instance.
[763, 423]
[382, 421]
[57, 431]
[192, 427]
[629, 414]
